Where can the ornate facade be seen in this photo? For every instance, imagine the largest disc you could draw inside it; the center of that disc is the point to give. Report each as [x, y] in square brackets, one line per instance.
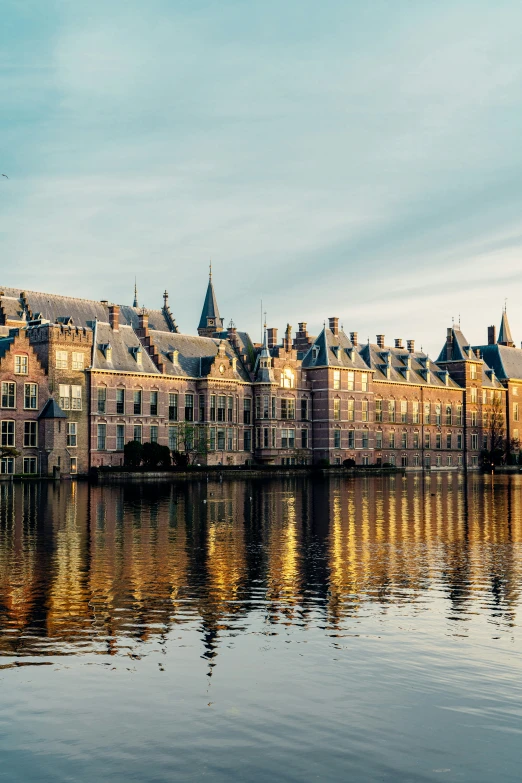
[80, 379]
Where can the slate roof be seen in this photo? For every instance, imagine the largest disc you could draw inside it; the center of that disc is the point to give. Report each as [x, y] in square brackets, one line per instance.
[195, 356]
[400, 361]
[333, 351]
[124, 343]
[52, 410]
[504, 335]
[12, 308]
[52, 307]
[505, 361]
[210, 307]
[460, 348]
[5, 345]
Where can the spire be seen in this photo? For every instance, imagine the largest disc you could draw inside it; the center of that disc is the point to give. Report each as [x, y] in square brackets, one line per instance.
[210, 320]
[135, 303]
[504, 335]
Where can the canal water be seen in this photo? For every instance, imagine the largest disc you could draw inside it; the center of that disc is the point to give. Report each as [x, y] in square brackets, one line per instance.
[364, 629]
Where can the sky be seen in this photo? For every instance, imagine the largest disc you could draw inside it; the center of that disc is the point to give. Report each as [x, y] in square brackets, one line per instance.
[352, 159]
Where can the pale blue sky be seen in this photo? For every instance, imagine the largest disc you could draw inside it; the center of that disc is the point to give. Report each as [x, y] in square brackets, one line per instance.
[359, 159]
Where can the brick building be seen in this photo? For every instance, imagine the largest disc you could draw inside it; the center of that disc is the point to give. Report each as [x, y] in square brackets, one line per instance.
[81, 378]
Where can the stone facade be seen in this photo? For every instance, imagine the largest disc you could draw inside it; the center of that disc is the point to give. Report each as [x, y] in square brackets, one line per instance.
[108, 374]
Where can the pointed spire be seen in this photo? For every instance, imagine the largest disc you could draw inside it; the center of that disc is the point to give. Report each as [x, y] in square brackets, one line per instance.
[135, 302]
[504, 335]
[210, 270]
[210, 320]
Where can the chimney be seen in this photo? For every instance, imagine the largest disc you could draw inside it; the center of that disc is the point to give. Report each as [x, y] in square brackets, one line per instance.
[143, 324]
[492, 335]
[411, 346]
[114, 317]
[398, 342]
[232, 335]
[380, 340]
[449, 343]
[272, 337]
[287, 344]
[302, 326]
[353, 338]
[333, 323]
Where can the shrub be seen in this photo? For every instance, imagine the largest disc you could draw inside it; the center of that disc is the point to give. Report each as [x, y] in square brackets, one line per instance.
[133, 454]
[154, 455]
[180, 459]
[349, 463]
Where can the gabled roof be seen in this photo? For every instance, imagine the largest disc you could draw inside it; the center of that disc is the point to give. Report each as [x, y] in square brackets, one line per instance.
[504, 335]
[460, 349]
[332, 350]
[210, 307]
[195, 355]
[124, 343]
[52, 410]
[402, 366]
[5, 345]
[505, 361]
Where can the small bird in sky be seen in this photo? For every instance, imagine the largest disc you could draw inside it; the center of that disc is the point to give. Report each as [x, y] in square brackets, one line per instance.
[5, 175]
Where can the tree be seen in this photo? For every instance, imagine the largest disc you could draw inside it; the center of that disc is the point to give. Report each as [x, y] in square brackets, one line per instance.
[192, 444]
[133, 454]
[155, 455]
[8, 451]
[497, 445]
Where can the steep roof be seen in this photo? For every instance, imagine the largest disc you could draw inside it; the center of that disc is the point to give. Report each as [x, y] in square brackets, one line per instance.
[504, 335]
[398, 365]
[460, 349]
[332, 350]
[124, 344]
[52, 410]
[195, 354]
[210, 307]
[5, 345]
[505, 361]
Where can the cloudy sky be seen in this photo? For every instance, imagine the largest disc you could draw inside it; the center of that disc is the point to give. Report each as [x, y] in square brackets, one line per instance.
[359, 159]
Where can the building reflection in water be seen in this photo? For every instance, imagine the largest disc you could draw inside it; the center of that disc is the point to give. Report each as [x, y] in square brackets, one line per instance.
[104, 568]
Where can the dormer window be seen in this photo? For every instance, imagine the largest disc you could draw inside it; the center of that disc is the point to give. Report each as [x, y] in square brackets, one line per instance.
[315, 352]
[335, 349]
[137, 354]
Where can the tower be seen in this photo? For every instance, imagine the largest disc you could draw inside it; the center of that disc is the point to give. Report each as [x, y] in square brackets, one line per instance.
[210, 321]
[504, 335]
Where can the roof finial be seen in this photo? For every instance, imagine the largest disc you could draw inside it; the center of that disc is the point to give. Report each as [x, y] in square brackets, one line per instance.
[505, 305]
[210, 270]
[165, 298]
[135, 303]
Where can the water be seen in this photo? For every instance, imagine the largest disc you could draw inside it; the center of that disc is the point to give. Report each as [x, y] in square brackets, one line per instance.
[294, 630]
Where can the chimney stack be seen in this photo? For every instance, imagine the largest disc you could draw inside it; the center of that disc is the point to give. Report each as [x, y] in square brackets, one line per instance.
[398, 342]
[353, 338]
[287, 344]
[380, 340]
[302, 326]
[114, 317]
[143, 320]
[411, 346]
[492, 335]
[449, 343]
[333, 323]
[272, 337]
[232, 335]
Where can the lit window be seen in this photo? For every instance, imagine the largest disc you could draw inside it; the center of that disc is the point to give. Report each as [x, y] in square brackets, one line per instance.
[364, 410]
[337, 409]
[21, 364]
[62, 360]
[8, 394]
[287, 378]
[364, 381]
[337, 379]
[351, 380]
[76, 398]
[77, 361]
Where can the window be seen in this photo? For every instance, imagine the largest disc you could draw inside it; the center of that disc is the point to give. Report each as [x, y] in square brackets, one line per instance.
[448, 460]
[378, 410]
[404, 461]
[137, 395]
[274, 408]
[30, 434]
[365, 439]
[459, 441]
[448, 415]
[416, 440]
[404, 440]
[7, 437]
[120, 437]
[484, 441]
[515, 411]
[391, 440]
[287, 378]
[287, 408]
[304, 409]
[474, 416]
[351, 380]
[266, 437]
[153, 433]
[30, 396]
[415, 412]
[459, 415]
[378, 439]
[258, 407]
[202, 407]
[21, 364]
[438, 460]
[173, 438]
[154, 403]
[222, 401]
[247, 440]
[273, 438]
[101, 437]
[391, 410]
[337, 439]
[189, 407]
[337, 379]
[474, 442]
[65, 397]
[474, 393]
[8, 394]
[76, 398]
[74, 466]
[221, 440]
[77, 361]
[427, 440]
[364, 410]
[102, 399]
[351, 410]
[404, 411]
[304, 439]
[351, 439]
[120, 400]
[427, 411]
[266, 406]
[392, 459]
[438, 414]
[448, 440]
[473, 372]
[137, 433]
[287, 439]
[7, 465]
[230, 409]
[416, 460]
[62, 360]
[337, 409]
[30, 465]
[247, 411]
[438, 441]
[427, 461]
[364, 381]
[485, 418]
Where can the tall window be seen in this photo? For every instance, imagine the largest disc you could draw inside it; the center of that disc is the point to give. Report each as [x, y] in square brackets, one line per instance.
[404, 411]
[266, 406]
[173, 438]
[77, 361]
[378, 439]
[378, 410]
[7, 436]
[154, 403]
[364, 381]
[274, 407]
[474, 417]
[202, 407]
[337, 439]
[221, 440]
[415, 417]
[101, 437]
[438, 414]
[351, 410]
[438, 441]
[474, 392]
[102, 399]
[120, 437]
[137, 433]
[72, 434]
[30, 434]
[287, 408]
[459, 442]
[351, 439]
[30, 396]
[391, 441]
[427, 440]
[21, 364]
[304, 409]
[459, 415]
[337, 409]
[137, 396]
[365, 440]
[404, 440]
[515, 411]
[351, 380]
[230, 439]
[76, 398]
[30, 465]
[287, 439]
[189, 407]
[473, 372]
[154, 433]
[427, 411]
[8, 394]
[364, 410]
[287, 378]
[120, 400]
[62, 360]
[304, 439]
[222, 401]
[173, 407]
[247, 440]
[391, 410]
[247, 411]
[474, 441]
[415, 440]
[448, 440]
[337, 379]
[448, 415]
